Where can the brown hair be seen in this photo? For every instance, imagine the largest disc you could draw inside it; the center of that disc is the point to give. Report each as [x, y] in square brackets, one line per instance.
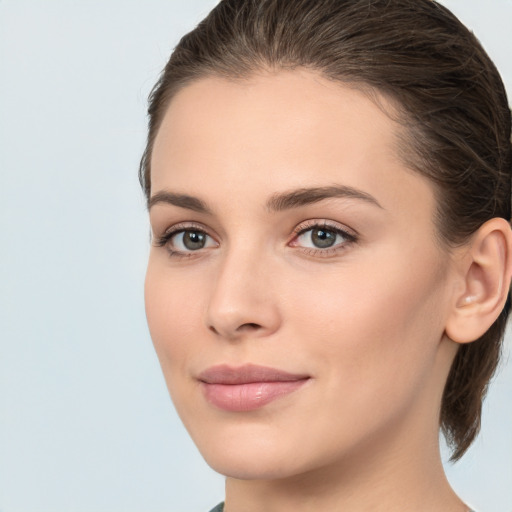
[448, 95]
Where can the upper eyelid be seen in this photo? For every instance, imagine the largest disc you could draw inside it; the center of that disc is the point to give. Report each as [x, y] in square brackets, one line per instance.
[324, 223]
[184, 226]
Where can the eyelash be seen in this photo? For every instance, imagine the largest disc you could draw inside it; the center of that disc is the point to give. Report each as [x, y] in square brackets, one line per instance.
[349, 235]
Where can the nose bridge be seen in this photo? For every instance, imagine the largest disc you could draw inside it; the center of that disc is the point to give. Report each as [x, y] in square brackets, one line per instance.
[242, 300]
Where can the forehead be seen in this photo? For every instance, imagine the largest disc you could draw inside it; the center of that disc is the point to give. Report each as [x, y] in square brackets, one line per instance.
[276, 131]
[277, 110]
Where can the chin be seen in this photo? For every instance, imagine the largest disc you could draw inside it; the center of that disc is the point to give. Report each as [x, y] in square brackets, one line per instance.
[250, 455]
[254, 466]
[265, 454]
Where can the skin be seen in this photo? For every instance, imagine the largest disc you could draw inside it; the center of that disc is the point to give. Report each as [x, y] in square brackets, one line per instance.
[365, 320]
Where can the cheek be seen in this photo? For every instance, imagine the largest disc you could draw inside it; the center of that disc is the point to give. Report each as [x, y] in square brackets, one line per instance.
[172, 311]
[375, 327]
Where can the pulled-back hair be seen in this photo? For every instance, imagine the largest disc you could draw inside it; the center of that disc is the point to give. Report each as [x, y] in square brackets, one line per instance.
[446, 93]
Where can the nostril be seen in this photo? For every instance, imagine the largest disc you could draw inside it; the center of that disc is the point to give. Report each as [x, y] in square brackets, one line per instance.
[249, 327]
[244, 328]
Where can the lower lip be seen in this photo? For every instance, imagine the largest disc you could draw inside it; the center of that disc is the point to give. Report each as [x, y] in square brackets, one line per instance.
[248, 397]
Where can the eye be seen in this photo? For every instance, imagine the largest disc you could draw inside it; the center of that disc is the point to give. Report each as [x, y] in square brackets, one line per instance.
[190, 240]
[322, 237]
[183, 241]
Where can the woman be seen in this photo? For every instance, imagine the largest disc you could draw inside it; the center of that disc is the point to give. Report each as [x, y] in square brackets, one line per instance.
[328, 285]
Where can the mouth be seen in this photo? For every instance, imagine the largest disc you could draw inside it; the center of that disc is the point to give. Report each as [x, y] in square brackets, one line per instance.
[247, 387]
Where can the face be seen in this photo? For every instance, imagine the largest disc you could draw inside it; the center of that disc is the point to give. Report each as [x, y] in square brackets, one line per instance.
[295, 293]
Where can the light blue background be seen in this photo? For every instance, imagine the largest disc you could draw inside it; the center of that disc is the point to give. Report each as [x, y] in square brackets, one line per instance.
[85, 421]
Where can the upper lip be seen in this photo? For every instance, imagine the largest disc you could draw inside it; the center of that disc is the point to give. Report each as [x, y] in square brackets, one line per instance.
[246, 374]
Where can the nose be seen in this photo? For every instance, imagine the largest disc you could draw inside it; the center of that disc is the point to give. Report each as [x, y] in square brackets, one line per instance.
[242, 302]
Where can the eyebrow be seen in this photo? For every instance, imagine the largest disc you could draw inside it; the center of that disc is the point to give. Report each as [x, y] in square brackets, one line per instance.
[305, 196]
[276, 203]
[181, 200]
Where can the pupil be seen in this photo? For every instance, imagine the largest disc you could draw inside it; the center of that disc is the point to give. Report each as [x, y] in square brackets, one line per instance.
[323, 238]
[194, 240]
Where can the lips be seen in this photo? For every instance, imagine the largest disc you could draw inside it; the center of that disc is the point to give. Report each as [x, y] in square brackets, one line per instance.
[247, 387]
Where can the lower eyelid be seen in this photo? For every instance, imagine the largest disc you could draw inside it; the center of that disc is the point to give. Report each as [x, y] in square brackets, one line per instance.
[329, 251]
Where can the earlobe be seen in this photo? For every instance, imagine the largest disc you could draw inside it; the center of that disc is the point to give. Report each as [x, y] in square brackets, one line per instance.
[485, 270]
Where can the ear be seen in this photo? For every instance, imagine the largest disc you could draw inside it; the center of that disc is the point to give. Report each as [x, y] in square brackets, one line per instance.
[484, 272]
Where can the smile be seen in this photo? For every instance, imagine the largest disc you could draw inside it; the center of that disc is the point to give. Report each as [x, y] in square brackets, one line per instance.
[248, 387]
